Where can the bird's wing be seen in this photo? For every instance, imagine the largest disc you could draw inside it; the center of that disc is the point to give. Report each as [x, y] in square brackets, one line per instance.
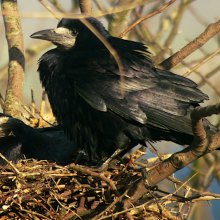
[142, 93]
[90, 96]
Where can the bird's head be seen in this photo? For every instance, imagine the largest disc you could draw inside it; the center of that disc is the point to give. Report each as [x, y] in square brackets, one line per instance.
[72, 33]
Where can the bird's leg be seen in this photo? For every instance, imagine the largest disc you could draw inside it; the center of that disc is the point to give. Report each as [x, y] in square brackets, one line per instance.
[122, 142]
[78, 157]
[106, 163]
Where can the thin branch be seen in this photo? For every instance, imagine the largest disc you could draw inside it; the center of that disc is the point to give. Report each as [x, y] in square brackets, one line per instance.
[201, 63]
[212, 168]
[119, 22]
[174, 31]
[10, 163]
[210, 159]
[50, 9]
[209, 75]
[100, 5]
[198, 17]
[212, 85]
[57, 5]
[152, 38]
[176, 58]
[146, 17]
[94, 174]
[32, 101]
[2, 102]
[42, 107]
[177, 161]
[111, 205]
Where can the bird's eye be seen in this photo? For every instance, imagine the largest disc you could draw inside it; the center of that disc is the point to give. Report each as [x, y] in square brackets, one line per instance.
[75, 32]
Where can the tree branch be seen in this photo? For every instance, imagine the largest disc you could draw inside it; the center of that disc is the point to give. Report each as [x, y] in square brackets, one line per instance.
[119, 21]
[14, 37]
[177, 161]
[50, 10]
[175, 25]
[146, 17]
[176, 58]
[86, 7]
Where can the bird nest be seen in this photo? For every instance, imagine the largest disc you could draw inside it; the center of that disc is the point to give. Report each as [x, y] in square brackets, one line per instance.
[34, 189]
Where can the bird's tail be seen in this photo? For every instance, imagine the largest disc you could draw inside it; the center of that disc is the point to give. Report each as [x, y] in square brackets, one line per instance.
[182, 138]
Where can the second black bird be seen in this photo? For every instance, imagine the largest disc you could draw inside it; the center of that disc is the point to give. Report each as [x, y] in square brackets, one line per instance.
[100, 111]
[17, 139]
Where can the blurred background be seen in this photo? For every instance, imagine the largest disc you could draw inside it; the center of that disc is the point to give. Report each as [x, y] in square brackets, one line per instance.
[164, 33]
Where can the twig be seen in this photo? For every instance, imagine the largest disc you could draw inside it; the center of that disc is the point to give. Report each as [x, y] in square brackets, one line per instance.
[171, 178]
[179, 160]
[209, 173]
[57, 5]
[28, 110]
[210, 159]
[50, 9]
[2, 102]
[10, 163]
[128, 210]
[184, 184]
[152, 38]
[100, 5]
[43, 118]
[32, 101]
[94, 174]
[176, 58]
[174, 31]
[111, 205]
[109, 47]
[146, 17]
[42, 107]
[212, 85]
[209, 75]
[35, 213]
[198, 17]
[202, 62]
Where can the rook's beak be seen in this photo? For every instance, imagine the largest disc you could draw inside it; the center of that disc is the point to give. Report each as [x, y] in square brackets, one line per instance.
[62, 37]
[48, 35]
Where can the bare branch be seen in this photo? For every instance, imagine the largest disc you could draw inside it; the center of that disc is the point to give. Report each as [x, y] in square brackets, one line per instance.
[176, 58]
[14, 37]
[119, 21]
[57, 5]
[2, 102]
[42, 107]
[201, 63]
[50, 9]
[205, 79]
[146, 17]
[177, 161]
[174, 31]
[86, 7]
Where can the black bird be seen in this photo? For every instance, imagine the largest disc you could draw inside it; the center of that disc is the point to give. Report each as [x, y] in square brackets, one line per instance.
[17, 139]
[100, 111]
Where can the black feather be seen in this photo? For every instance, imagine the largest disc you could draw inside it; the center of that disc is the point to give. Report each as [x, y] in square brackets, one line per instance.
[17, 138]
[103, 111]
